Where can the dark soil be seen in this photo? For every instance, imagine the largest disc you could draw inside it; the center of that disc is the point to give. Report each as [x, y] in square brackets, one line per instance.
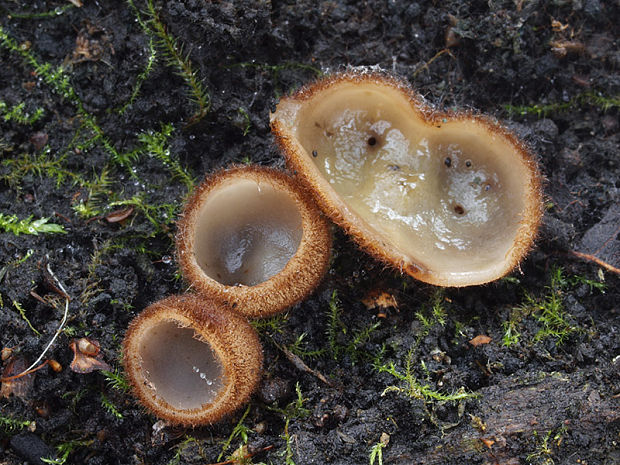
[548, 395]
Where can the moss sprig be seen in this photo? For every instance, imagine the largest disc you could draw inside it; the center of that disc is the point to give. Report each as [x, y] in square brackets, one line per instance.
[155, 144]
[60, 83]
[12, 224]
[18, 113]
[176, 58]
[542, 110]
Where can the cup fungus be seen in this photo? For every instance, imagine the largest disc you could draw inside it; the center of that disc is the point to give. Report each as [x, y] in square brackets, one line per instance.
[251, 238]
[191, 361]
[453, 199]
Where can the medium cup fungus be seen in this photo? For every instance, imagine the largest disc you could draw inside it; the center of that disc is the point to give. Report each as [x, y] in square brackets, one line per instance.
[452, 199]
[191, 361]
[251, 238]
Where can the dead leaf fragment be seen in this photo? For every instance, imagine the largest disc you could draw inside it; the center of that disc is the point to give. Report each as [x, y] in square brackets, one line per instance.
[479, 340]
[562, 48]
[6, 353]
[39, 139]
[86, 356]
[92, 44]
[488, 442]
[119, 215]
[18, 386]
[379, 299]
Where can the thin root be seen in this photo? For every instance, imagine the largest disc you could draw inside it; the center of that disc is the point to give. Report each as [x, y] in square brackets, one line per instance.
[596, 260]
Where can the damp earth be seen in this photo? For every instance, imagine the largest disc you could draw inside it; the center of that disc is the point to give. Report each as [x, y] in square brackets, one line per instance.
[110, 112]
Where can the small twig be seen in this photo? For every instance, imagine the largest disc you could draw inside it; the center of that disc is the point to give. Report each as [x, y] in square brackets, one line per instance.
[596, 260]
[428, 63]
[39, 298]
[300, 364]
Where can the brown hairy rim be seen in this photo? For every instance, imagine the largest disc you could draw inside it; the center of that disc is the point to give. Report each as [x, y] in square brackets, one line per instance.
[233, 341]
[288, 129]
[299, 276]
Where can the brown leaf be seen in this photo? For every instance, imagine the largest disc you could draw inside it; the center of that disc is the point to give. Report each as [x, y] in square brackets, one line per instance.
[488, 442]
[379, 299]
[119, 215]
[38, 140]
[19, 386]
[92, 44]
[86, 356]
[479, 340]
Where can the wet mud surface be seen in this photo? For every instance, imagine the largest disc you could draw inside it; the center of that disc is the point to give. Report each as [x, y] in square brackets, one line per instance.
[104, 127]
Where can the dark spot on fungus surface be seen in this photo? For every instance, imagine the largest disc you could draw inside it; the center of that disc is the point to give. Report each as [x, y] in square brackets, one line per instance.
[191, 361]
[315, 153]
[252, 236]
[410, 215]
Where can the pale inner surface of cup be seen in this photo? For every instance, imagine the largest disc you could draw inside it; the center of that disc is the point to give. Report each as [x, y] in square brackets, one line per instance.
[450, 195]
[246, 232]
[179, 367]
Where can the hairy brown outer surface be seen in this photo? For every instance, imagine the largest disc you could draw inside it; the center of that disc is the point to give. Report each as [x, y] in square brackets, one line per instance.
[293, 283]
[334, 207]
[231, 337]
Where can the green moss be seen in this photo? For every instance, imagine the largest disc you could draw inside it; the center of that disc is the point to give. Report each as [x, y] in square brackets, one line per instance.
[59, 81]
[246, 118]
[269, 327]
[12, 224]
[12, 425]
[299, 348]
[376, 452]
[65, 449]
[116, 380]
[22, 312]
[144, 74]
[155, 145]
[161, 216]
[334, 325]
[184, 444]
[109, 406]
[41, 15]
[18, 113]
[40, 165]
[542, 110]
[433, 314]
[287, 453]
[239, 431]
[548, 310]
[412, 387]
[175, 57]
[545, 445]
[98, 189]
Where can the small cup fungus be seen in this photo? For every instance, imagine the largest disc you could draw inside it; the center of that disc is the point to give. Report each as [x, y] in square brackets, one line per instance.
[191, 361]
[452, 199]
[251, 238]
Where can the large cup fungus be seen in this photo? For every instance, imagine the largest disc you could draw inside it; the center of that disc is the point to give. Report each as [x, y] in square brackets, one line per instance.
[251, 238]
[191, 361]
[453, 199]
